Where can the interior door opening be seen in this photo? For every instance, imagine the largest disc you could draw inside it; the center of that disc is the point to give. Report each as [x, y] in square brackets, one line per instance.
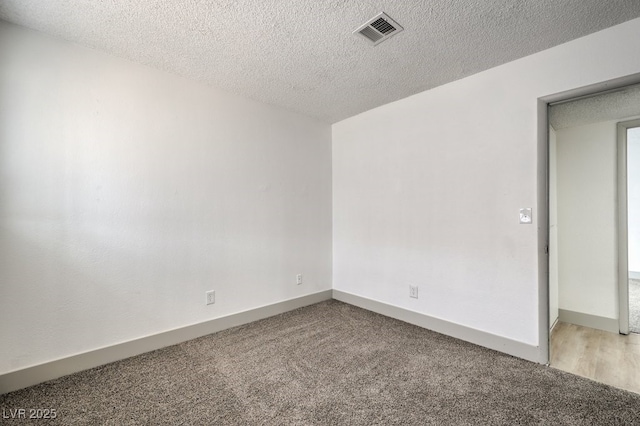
[594, 235]
[629, 232]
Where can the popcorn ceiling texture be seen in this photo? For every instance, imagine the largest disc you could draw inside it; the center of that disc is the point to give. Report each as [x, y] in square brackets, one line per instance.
[301, 55]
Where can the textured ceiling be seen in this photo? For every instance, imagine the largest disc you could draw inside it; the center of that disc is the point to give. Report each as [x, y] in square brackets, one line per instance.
[301, 54]
[617, 105]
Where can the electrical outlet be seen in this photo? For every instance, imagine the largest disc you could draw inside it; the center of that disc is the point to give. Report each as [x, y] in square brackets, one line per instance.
[525, 216]
[413, 291]
[211, 297]
[299, 279]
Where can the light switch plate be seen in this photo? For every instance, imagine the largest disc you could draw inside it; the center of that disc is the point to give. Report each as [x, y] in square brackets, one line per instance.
[525, 216]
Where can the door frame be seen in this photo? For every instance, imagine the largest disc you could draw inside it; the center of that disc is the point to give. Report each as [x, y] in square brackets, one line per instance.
[544, 335]
[623, 226]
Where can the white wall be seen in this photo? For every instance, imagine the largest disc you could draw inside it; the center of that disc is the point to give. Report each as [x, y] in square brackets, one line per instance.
[126, 193]
[426, 190]
[553, 229]
[587, 241]
[633, 200]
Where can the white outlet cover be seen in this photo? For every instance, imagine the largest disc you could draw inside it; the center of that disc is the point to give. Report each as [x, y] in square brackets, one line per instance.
[413, 291]
[211, 297]
[525, 216]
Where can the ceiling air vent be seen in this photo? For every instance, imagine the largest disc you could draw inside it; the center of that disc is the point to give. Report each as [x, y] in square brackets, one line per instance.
[379, 28]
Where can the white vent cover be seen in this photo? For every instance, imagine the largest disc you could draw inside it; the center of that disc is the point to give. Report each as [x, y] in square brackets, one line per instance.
[379, 28]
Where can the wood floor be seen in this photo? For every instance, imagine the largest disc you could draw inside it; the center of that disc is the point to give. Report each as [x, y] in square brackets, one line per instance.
[609, 358]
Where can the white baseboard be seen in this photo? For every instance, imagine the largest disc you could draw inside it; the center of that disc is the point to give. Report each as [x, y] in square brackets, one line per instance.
[480, 338]
[634, 275]
[51, 370]
[588, 320]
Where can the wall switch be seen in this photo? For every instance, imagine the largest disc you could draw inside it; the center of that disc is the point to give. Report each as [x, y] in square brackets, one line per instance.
[413, 291]
[525, 216]
[211, 297]
[299, 279]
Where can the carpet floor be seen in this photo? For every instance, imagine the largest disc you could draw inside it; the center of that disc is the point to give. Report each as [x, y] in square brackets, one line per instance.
[634, 306]
[326, 364]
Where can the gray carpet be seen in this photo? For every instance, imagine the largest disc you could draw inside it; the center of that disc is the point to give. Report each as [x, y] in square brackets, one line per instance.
[328, 364]
[634, 306]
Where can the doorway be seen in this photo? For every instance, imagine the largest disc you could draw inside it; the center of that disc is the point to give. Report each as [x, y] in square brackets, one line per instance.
[629, 237]
[588, 261]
